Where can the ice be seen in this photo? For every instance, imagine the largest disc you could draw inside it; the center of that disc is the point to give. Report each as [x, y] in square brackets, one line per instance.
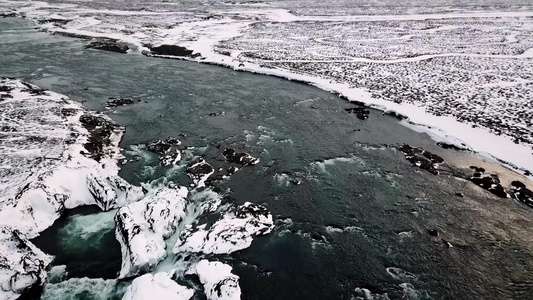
[157, 286]
[218, 281]
[143, 226]
[235, 231]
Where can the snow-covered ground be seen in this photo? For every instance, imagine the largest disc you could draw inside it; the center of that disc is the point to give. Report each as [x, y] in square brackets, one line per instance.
[459, 72]
[55, 155]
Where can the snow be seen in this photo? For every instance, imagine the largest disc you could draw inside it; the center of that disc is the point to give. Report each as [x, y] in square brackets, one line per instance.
[158, 286]
[203, 36]
[235, 231]
[43, 170]
[218, 281]
[143, 226]
[23, 264]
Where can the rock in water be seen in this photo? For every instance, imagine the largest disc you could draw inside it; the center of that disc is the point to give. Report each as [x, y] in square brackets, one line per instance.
[240, 158]
[421, 158]
[57, 155]
[168, 150]
[490, 183]
[158, 286]
[199, 172]
[22, 265]
[108, 45]
[113, 102]
[235, 231]
[521, 193]
[218, 281]
[361, 112]
[142, 227]
[171, 50]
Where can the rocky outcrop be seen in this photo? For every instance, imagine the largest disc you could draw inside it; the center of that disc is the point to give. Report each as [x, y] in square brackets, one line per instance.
[199, 172]
[218, 281]
[521, 193]
[422, 159]
[491, 183]
[172, 50]
[22, 265]
[240, 158]
[142, 227]
[55, 156]
[114, 102]
[361, 112]
[168, 150]
[109, 45]
[157, 286]
[235, 231]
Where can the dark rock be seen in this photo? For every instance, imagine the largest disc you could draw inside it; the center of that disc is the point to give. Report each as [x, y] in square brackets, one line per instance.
[200, 171]
[5, 88]
[490, 183]
[240, 158]
[459, 195]
[214, 114]
[100, 129]
[108, 45]
[8, 15]
[171, 50]
[33, 90]
[521, 193]
[395, 114]
[433, 232]
[168, 150]
[422, 159]
[73, 35]
[117, 102]
[451, 146]
[477, 169]
[361, 112]
[69, 112]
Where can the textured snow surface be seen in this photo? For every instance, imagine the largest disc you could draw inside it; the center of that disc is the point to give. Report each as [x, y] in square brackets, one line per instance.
[158, 286]
[22, 265]
[143, 226]
[462, 74]
[47, 166]
[42, 168]
[235, 231]
[218, 281]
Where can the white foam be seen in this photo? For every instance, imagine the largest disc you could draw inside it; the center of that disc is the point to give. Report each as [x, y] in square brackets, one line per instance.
[97, 288]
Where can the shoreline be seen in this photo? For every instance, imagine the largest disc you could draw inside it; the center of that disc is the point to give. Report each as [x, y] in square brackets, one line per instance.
[479, 140]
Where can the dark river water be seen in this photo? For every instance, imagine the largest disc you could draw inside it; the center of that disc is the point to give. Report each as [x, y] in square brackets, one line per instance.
[359, 219]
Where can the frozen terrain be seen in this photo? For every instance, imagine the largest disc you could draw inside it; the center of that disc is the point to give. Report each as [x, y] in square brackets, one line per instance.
[459, 71]
[55, 156]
